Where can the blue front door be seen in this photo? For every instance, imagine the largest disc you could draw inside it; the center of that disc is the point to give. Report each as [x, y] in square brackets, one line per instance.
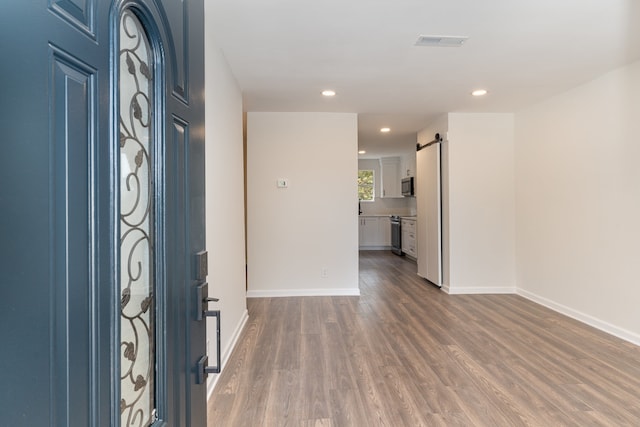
[68, 284]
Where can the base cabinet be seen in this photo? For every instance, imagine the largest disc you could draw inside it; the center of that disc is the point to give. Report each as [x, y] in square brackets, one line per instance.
[409, 237]
[368, 231]
[374, 232]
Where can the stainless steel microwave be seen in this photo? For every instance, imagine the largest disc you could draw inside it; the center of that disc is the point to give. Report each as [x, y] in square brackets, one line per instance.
[407, 186]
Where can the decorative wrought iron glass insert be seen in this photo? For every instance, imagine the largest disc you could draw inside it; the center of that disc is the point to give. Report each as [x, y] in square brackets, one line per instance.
[137, 305]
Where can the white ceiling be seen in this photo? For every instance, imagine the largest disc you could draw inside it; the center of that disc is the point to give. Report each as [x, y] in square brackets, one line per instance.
[285, 52]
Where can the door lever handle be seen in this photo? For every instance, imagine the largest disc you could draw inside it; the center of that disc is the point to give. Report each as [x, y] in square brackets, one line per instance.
[205, 309]
[202, 302]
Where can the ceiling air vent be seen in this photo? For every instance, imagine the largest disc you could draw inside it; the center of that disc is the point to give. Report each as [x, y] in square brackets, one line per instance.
[441, 41]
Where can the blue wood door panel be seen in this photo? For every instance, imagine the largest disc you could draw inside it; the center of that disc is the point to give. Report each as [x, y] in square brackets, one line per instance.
[59, 353]
[195, 348]
[178, 22]
[79, 13]
[72, 101]
[49, 366]
[178, 385]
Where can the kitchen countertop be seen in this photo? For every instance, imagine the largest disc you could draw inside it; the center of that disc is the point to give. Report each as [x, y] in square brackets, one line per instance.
[388, 215]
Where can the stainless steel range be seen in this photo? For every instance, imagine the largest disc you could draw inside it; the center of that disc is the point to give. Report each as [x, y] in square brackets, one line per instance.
[396, 235]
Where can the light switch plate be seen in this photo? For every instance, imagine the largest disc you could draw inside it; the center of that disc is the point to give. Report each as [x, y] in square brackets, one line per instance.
[283, 183]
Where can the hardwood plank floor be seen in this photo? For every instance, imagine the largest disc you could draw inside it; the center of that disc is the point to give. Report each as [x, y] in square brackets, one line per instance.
[405, 353]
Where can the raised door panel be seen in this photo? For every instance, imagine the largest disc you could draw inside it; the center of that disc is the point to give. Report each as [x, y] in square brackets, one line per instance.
[177, 15]
[176, 340]
[73, 289]
[79, 13]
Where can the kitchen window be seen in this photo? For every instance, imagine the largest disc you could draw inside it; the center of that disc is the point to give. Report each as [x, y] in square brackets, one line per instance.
[366, 185]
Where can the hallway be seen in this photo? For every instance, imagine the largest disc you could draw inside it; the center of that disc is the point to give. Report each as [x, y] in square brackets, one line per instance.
[405, 353]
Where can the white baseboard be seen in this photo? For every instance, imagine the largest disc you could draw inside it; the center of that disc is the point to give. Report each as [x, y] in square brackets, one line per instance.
[213, 379]
[616, 331]
[477, 290]
[303, 293]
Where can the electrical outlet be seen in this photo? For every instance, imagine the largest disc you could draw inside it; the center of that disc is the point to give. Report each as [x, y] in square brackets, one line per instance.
[324, 273]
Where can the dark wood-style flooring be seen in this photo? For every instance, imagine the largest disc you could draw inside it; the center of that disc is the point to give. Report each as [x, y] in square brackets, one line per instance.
[405, 353]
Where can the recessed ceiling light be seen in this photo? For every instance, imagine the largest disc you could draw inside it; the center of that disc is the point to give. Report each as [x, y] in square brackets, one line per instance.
[479, 92]
[328, 92]
[441, 41]
[385, 130]
[361, 152]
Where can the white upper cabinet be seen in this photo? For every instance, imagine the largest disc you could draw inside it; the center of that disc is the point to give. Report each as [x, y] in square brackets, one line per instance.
[391, 176]
[408, 165]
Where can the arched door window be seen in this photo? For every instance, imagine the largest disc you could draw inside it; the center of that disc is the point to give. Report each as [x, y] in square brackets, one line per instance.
[137, 223]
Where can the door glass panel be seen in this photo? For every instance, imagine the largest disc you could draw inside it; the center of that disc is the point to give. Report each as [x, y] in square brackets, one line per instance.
[137, 339]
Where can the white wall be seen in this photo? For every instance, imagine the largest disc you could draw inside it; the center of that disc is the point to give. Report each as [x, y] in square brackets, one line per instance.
[481, 204]
[578, 202]
[225, 200]
[295, 233]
